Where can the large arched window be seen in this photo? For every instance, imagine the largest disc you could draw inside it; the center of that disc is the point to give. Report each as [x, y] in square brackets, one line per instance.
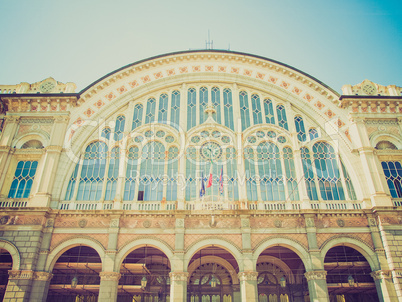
[203, 104]
[113, 174]
[150, 114]
[23, 179]
[163, 108]
[131, 173]
[175, 109]
[191, 108]
[93, 172]
[228, 108]
[137, 117]
[327, 172]
[270, 172]
[256, 106]
[244, 110]
[152, 171]
[119, 127]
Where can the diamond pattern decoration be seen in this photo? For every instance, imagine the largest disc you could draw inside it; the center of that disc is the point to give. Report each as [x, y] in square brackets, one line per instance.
[222, 69]
[89, 112]
[234, 70]
[247, 72]
[196, 68]
[319, 105]
[260, 76]
[329, 113]
[99, 104]
[285, 85]
[146, 79]
[122, 89]
[339, 123]
[273, 80]
[296, 90]
[308, 97]
[183, 69]
[209, 68]
[133, 84]
[110, 96]
[158, 75]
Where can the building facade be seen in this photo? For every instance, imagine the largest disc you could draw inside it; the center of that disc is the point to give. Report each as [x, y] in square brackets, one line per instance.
[201, 176]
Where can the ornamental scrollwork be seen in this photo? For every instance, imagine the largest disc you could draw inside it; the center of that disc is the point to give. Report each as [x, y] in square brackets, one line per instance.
[248, 276]
[42, 276]
[178, 276]
[109, 276]
[316, 275]
[381, 274]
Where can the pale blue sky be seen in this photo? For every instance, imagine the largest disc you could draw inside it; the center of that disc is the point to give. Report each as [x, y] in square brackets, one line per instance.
[338, 42]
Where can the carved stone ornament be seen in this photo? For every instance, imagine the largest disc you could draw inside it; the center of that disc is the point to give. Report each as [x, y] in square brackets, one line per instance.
[20, 275]
[178, 276]
[310, 222]
[50, 223]
[42, 276]
[179, 222]
[4, 219]
[378, 275]
[340, 223]
[372, 222]
[146, 224]
[109, 276]
[248, 276]
[82, 223]
[278, 223]
[316, 275]
[114, 223]
[245, 223]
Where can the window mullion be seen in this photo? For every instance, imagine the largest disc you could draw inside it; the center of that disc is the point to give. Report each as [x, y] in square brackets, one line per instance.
[81, 161]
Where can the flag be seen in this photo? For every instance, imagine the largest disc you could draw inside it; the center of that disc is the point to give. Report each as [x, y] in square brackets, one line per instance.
[202, 191]
[221, 182]
[209, 184]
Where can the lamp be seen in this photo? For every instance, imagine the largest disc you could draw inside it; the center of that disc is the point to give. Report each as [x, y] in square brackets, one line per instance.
[351, 281]
[213, 281]
[144, 282]
[282, 282]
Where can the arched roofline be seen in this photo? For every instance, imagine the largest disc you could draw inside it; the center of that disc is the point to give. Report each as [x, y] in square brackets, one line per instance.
[215, 51]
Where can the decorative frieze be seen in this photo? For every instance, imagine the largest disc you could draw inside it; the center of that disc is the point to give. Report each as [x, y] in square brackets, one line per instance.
[178, 276]
[248, 276]
[381, 274]
[42, 276]
[109, 276]
[316, 275]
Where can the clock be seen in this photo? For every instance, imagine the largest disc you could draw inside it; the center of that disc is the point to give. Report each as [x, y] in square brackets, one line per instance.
[211, 151]
[47, 86]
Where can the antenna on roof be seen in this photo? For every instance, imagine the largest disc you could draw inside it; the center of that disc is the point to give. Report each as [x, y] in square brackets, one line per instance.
[209, 44]
[229, 47]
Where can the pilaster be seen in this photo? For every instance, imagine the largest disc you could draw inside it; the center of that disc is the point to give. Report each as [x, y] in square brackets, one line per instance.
[384, 285]
[317, 285]
[108, 288]
[178, 286]
[40, 286]
[248, 286]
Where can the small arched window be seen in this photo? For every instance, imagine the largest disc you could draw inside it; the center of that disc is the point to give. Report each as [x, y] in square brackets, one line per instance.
[119, 127]
[191, 108]
[301, 132]
[203, 103]
[163, 108]
[269, 112]
[282, 121]
[23, 179]
[175, 109]
[244, 110]
[313, 133]
[137, 117]
[256, 106]
[106, 132]
[150, 114]
[228, 108]
[216, 103]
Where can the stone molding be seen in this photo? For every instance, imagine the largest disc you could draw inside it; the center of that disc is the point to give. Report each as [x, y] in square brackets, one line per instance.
[316, 275]
[109, 276]
[42, 276]
[381, 274]
[178, 276]
[248, 276]
[29, 275]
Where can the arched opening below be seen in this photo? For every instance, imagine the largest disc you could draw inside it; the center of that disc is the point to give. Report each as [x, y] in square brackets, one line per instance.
[281, 276]
[348, 276]
[6, 264]
[144, 276]
[212, 276]
[76, 276]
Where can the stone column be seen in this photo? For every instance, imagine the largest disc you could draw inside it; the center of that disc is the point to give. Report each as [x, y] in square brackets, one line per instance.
[40, 286]
[248, 286]
[108, 286]
[19, 286]
[384, 285]
[178, 286]
[317, 286]
[236, 293]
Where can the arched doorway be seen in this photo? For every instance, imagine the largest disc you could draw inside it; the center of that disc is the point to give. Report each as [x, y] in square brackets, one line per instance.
[280, 276]
[348, 276]
[6, 264]
[144, 276]
[212, 276]
[76, 276]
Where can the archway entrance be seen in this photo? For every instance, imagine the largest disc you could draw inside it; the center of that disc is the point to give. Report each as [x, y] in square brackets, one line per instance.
[348, 276]
[280, 276]
[212, 276]
[6, 264]
[144, 276]
[76, 276]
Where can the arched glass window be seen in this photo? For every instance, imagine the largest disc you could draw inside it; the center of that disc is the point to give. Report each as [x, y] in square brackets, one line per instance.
[216, 102]
[313, 133]
[270, 172]
[301, 132]
[106, 132]
[244, 110]
[250, 174]
[150, 114]
[163, 108]
[269, 112]
[72, 182]
[291, 179]
[282, 121]
[131, 173]
[23, 179]
[119, 127]
[349, 185]
[172, 173]
[175, 109]
[327, 172]
[191, 168]
[308, 174]
[231, 167]
[393, 175]
[113, 174]
[256, 106]
[191, 108]
[137, 117]
[203, 103]
[152, 171]
[93, 172]
[228, 108]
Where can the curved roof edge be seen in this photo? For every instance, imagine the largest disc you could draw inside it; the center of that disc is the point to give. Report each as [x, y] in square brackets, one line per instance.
[207, 50]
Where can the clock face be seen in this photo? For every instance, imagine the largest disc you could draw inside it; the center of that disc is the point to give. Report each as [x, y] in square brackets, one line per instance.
[46, 86]
[211, 151]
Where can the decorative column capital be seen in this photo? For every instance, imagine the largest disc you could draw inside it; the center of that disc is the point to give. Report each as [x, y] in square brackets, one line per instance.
[42, 276]
[381, 274]
[178, 276]
[109, 276]
[248, 276]
[20, 275]
[316, 275]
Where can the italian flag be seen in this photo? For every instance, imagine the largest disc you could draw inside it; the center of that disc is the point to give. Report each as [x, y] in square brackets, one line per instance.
[209, 184]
